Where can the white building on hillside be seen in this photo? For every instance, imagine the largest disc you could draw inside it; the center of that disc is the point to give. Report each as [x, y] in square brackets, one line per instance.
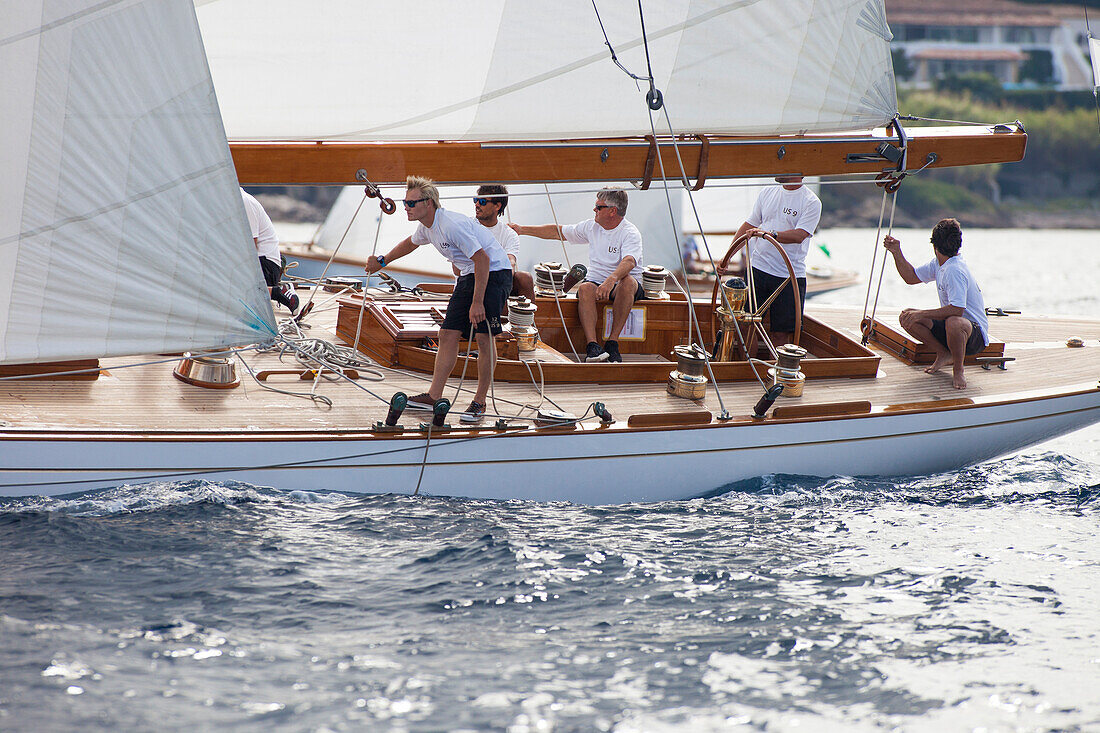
[1017, 43]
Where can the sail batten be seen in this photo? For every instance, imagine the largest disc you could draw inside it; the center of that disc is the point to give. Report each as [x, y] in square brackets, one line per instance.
[121, 229]
[518, 70]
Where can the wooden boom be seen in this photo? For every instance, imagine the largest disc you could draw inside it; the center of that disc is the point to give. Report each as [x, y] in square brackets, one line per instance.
[622, 159]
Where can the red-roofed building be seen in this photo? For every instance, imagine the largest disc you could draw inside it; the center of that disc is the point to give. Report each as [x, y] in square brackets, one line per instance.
[1015, 42]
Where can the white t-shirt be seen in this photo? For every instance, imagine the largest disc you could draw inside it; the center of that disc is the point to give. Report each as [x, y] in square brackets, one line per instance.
[956, 286]
[607, 247]
[777, 210]
[267, 241]
[506, 236]
[458, 238]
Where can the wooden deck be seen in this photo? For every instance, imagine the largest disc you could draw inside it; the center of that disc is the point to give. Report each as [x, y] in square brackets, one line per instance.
[149, 400]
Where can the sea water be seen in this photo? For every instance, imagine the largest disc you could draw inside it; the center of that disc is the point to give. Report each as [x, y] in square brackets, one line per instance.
[959, 601]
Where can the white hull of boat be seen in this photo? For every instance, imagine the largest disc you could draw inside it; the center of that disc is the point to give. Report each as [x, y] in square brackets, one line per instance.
[585, 467]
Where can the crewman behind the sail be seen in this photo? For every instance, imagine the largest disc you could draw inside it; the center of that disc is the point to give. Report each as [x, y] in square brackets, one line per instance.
[480, 294]
[614, 267]
[267, 248]
[959, 327]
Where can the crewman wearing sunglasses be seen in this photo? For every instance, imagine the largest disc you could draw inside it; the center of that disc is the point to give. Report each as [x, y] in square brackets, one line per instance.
[614, 267]
[480, 294]
[489, 206]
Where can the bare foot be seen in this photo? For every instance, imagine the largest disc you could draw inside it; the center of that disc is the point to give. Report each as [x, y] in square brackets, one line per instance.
[941, 361]
[957, 378]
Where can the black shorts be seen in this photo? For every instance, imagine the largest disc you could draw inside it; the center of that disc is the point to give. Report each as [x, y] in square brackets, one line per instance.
[639, 294]
[782, 308]
[496, 300]
[273, 271]
[974, 344]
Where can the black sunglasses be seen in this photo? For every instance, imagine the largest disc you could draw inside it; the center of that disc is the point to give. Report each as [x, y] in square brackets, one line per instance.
[409, 203]
[597, 207]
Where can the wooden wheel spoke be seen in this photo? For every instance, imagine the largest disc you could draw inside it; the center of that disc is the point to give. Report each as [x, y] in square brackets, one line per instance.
[736, 246]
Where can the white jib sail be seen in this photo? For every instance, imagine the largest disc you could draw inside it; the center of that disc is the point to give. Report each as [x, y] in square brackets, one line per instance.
[519, 69]
[122, 230]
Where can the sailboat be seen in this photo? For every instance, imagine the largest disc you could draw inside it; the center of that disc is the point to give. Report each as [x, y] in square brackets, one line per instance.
[138, 344]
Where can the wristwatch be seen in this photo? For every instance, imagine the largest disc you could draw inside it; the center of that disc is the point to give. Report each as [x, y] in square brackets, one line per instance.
[381, 261]
[775, 235]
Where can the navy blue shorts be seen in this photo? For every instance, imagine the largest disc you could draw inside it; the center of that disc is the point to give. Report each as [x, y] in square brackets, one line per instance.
[496, 300]
[974, 344]
[273, 271]
[639, 294]
[782, 308]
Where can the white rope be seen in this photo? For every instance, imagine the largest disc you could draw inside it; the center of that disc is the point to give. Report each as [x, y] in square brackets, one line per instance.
[340, 244]
[692, 319]
[366, 285]
[874, 261]
[564, 328]
[882, 267]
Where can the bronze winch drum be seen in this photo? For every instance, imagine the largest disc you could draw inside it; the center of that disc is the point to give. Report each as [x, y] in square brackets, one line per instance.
[687, 386]
[212, 372]
[688, 380]
[527, 337]
[521, 312]
[793, 382]
[653, 282]
[789, 357]
[521, 316]
[549, 279]
[691, 360]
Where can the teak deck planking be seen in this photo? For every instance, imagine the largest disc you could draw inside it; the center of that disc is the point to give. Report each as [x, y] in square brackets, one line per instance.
[147, 400]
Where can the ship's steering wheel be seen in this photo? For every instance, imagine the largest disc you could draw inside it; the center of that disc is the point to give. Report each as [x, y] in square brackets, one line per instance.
[736, 246]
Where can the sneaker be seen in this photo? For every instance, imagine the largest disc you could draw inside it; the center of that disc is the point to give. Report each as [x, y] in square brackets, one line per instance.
[422, 401]
[473, 413]
[290, 298]
[612, 349]
[595, 353]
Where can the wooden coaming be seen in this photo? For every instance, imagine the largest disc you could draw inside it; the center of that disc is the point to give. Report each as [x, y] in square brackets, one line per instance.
[891, 337]
[383, 336]
[76, 370]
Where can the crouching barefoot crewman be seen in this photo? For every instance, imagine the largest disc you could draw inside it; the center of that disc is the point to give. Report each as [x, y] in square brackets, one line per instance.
[480, 294]
[959, 327]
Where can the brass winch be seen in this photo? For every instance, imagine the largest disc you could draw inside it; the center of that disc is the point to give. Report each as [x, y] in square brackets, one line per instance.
[521, 314]
[787, 372]
[203, 370]
[688, 380]
[654, 278]
[549, 279]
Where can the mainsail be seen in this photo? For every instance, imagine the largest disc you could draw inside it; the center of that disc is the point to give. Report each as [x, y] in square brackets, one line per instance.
[516, 69]
[121, 227]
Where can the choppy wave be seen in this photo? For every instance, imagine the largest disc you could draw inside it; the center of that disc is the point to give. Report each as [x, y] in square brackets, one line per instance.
[1041, 477]
[158, 496]
[954, 601]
